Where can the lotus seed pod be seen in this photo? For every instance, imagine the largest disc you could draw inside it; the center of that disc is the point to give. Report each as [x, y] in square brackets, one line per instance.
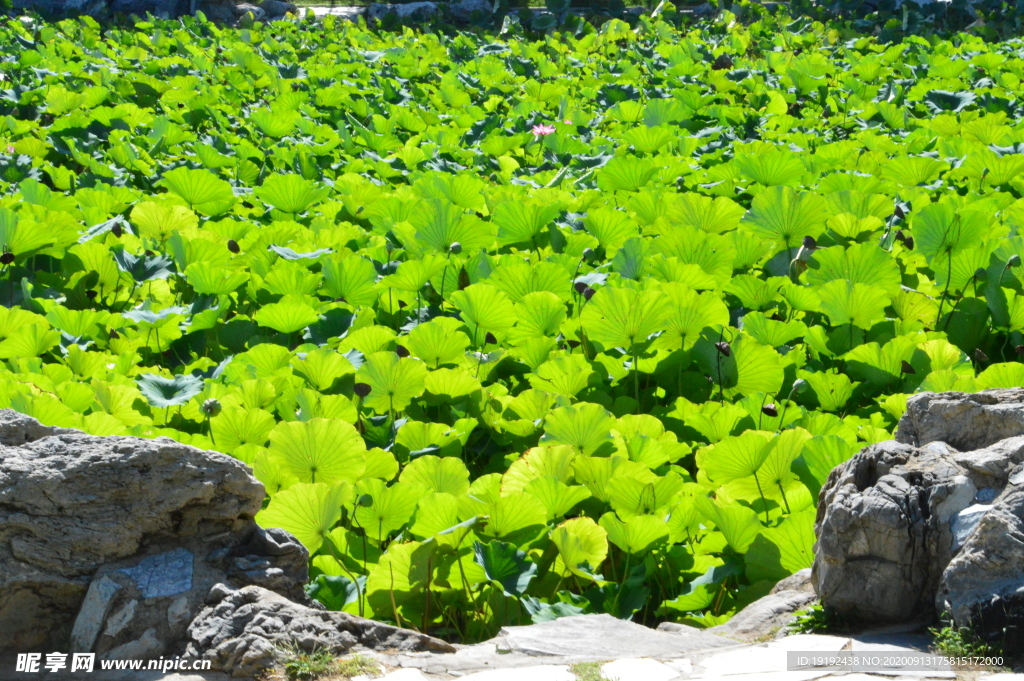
[900, 236]
[90, 294]
[589, 293]
[980, 356]
[1014, 261]
[809, 243]
[580, 287]
[906, 368]
[1019, 349]
[113, 335]
[362, 389]
[402, 351]
[233, 246]
[211, 407]
[770, 410]
[7, 258]
[490, 338]
[116, 230]
[455, 248]
[909, 243]
[723, 348]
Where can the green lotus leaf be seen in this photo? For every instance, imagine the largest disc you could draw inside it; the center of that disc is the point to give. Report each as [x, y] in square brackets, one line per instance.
[738, 523]
[394, 382]
[505, 565]
[307, 511]
[637, 534]
[209, 279]
[786, 216]
[288, 316]
[782, 550]
[522, 222]
[539, 314]
[388, 509]
[557, 497]
[200, 189]
[581, 543]
[749, 368]
[437, 474]
[352, 279]
[437, 342]
[31, 340]
[735, 457]
[620, 317]
[165, 392]
[860, 305]
[290, 193]
[513, 515]
[319, 450]
[435, 513]
[584, 427]
[484, 308]
[566, 375]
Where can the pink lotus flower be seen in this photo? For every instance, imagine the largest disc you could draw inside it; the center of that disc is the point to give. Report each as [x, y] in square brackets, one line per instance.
[539, 130]
[567, 121]
[10, 148]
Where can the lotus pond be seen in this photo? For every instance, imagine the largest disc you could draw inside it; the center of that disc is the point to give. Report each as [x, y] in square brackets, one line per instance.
[511, 328]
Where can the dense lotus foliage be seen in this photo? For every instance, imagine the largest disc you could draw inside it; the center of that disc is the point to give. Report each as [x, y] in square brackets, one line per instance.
[511, 329]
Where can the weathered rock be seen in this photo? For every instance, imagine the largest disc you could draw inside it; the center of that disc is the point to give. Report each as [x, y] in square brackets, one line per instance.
[277, 8]
[242, 631]
[412, 11]
[603, 637]
[126, 520]
[964, 421]
[463, 10]
[244, 8]
[983, 585]
[910, 529]
[768, 616]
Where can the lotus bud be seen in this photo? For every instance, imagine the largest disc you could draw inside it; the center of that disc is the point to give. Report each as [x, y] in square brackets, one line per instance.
[980, 356]
[1013, 261]
[362, 389]
[233, 246]
[489, 338]
[365, 500]
[455, 248]
[90, 294]
[906, 368]
[580, 287]
[588, 254]
[981, 274]
[589, 293]
[388, 246]
[799, 386]
[211, 407]
[402, 351]
[809, 243]
[723, 347]
[7, 258]
[770, 410]
[116, 230]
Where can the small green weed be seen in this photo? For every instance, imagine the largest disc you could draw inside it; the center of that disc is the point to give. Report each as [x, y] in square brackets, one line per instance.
[357, 664]
[961, 642]
[816, 619]
[300, 665]
[588, 671]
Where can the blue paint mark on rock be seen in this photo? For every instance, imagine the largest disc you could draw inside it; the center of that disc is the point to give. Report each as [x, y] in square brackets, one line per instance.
[164, 574]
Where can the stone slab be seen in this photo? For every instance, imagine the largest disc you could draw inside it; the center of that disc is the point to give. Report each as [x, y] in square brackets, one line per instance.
[638, 669]
[543, 672]
[603, 637]
[93, 612]
[165, 574]
[770, 657]
[405, 675]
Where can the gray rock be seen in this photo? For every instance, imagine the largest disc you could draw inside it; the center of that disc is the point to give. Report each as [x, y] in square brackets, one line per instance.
[244, 8]
[412, 11]
[277, 8]
[768, 616]
[241, 631]
[92, 614]
[603, 637]
[911, 529]
[463, 9]
[156, 519]
[983, 585]
[964, 421]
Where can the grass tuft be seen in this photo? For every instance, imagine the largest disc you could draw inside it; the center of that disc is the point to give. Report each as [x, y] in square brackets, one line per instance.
[589, 671]
[300, 665]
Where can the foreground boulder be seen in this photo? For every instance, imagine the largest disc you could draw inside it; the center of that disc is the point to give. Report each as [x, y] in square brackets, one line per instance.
[931, 523]
[768, 617]
[111, 544]
[244, 631]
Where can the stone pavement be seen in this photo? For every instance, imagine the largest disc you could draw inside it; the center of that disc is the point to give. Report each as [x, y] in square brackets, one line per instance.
[625, 651]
